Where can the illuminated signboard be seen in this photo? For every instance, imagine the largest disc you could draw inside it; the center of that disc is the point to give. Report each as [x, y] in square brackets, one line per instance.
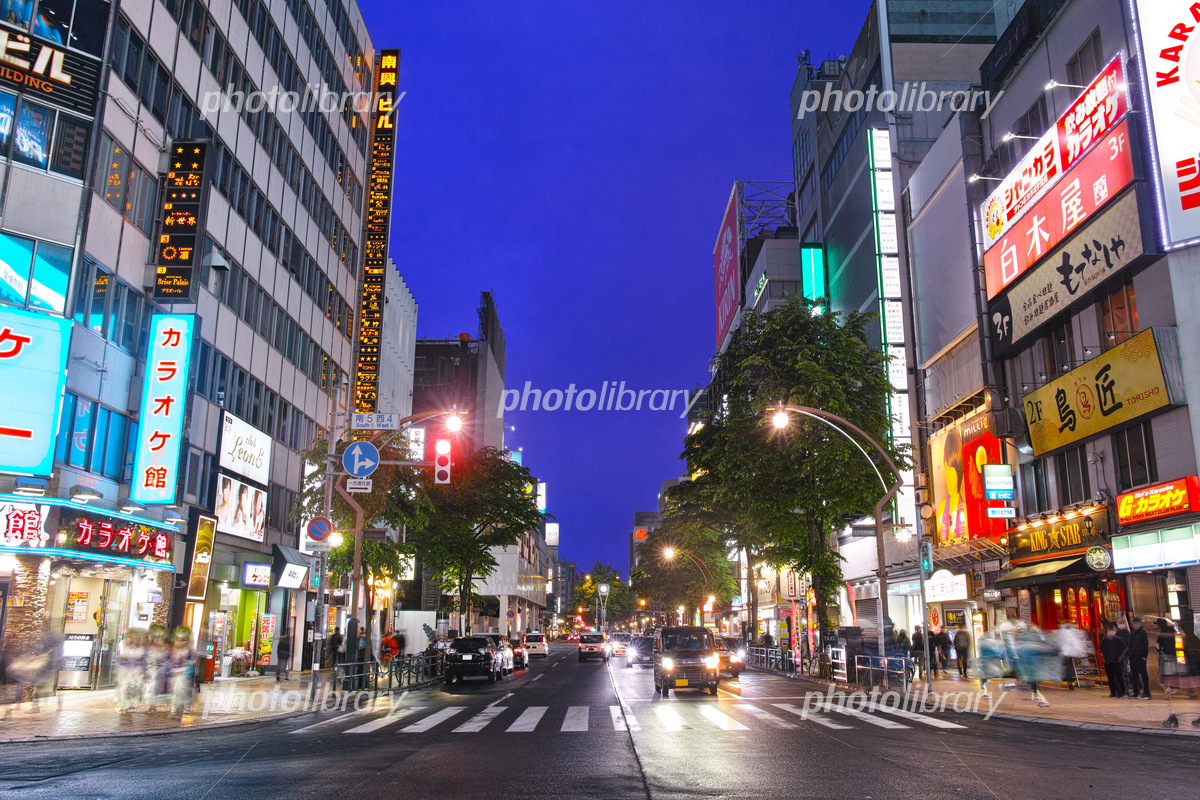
[1101, 106]
[182, 214]
[201, 558]
[375, 239]
[245, 449]
[1119, 386]
[63, 530]
[812, 271]
[727, 268]
[33, 363]
[49, 72]
[1167, 33]
[1162, 500]
[256, 575]
[241, 509]
[164, 409]
[947, 589]
[1089, 186]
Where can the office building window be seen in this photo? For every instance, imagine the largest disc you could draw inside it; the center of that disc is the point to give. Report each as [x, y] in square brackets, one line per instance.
[126, 185]
[112, 308]
[34, 274]
[1084, 66]
[96, 438]
[1058, 348]
[1136, 464]
[1035, 488]
[1117, 315]
[1074, 485]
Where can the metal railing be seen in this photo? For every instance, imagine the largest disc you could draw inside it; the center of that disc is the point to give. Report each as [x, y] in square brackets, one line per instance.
[786, 662]
[402, 672]
[887, 672]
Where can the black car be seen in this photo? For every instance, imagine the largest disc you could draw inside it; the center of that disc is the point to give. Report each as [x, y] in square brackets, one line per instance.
[685, 657]
[473, 656]
[640, 650]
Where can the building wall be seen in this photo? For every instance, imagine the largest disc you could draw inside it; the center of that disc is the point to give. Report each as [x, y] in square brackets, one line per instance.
[399, 345]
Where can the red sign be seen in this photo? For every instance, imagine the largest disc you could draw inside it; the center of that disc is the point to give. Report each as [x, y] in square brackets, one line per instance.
[726, 268]
[1087, 188]
[1162, 500]
[1103, 103]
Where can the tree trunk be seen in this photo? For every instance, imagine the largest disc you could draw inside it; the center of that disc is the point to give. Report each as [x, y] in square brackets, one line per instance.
[752, 590]
[814, 549]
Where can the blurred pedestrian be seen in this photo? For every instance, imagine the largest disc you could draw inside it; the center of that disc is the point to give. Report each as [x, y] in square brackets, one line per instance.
[1139, 651]
[337, 646]
[182, 671]
[918, 647]
[284, 648]
[962, 649]
[1112, 650]
[1123, 635]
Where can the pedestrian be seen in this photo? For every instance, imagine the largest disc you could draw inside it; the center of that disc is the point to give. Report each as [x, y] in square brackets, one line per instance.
[1123, 635]
[1139, 651]
[337, 646]
[1112, 650]
[768, 641]
[918, 647]
[962, 648]
[284, 648]
[902, 643]
[944, 648]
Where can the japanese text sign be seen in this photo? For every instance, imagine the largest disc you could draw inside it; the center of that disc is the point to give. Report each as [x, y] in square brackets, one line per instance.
[46, 70]
[1087, 188]
[1168, 34]
[1121, 385]
[1161, 500]
[1101, 106]
[182, 211]
[33, 369]
[727, 268]
[256, 575]
[947, 589]
[164, 403]
[202, 555]
[1109, 244]
[115, 538]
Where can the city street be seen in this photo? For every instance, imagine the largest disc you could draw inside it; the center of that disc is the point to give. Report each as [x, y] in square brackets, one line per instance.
[569, 729]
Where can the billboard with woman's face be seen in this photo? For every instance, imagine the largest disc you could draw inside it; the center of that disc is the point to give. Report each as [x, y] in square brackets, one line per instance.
[958, 454]
[241, 509]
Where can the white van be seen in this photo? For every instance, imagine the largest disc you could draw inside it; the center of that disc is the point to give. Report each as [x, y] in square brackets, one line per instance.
[535, 645]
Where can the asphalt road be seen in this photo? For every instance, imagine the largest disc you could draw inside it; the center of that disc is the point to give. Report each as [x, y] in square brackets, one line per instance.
[563, 729]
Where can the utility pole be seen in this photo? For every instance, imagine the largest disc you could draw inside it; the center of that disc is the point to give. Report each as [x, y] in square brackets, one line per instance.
[322, 614]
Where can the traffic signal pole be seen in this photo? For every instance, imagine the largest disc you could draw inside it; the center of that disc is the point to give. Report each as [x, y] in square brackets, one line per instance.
[924, 608]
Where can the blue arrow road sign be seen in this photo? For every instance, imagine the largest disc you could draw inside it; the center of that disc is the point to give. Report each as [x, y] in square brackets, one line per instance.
[360, 459]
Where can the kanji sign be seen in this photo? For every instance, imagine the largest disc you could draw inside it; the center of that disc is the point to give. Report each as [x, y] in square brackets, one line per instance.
[1167, 30]
[164, 403]
[182, 211]
[1119, 386]
[1112, 242]
[1161, 500]
[48, 71]
[1102, 105]
[1098, 179]
[375, 243]
[67, 530]
[726, 277]
[33, 369]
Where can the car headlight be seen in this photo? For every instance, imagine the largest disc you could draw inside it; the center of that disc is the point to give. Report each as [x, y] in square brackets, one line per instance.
[452, 651]
[668, 664]
[734, 658]
[712, 662]
[741, 653]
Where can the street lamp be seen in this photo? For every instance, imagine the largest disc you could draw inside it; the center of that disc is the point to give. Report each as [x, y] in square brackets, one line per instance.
[602, 603]
[781, 419]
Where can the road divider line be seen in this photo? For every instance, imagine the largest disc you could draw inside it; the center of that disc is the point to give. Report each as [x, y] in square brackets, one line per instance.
[618, 719]
[528, 720]
[814, 717]
[576, 720]
[501, 700]
[536, 677]
[433, 719]
[721, 720]
[767, 716]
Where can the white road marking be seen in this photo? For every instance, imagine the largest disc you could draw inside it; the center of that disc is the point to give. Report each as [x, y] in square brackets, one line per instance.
[670, 718]
[371, 707]
[905, 714]
[476, 723]
[864, 716]
[433, 719]
[384, 721]
[536, 677]
[528, 720]
[767, 716]
[576, 720]
[501, 700]
[722, 721]
[618, 719]
[817, 718]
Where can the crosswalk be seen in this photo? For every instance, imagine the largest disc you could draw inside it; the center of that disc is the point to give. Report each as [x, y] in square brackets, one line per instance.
[665, 717]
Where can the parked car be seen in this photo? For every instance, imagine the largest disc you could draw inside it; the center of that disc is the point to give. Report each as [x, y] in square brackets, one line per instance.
[535, 645]
[504, 648]
[731, 662]
[592, 645]
[685, 657]
[520, 655]
[640, 650]
[473, 656]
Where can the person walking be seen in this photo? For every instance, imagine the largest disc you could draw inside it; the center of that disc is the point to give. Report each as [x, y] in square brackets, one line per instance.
[337, 646]
[918, 647]
[1123, 635]
[962, 649]
[1139, 651]
[1112, 650]
[284, 648]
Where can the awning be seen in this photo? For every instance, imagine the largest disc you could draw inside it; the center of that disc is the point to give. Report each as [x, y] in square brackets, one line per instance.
[1033, 574]
[289, 566]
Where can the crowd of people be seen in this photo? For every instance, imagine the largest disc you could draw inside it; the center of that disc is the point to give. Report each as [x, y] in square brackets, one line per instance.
[154, 669]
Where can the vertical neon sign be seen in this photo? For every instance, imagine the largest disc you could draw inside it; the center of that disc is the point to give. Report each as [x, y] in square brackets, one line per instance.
[164, 406]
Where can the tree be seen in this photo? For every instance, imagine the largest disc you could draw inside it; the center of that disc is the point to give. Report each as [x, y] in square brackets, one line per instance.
[381, 562]
[621, 602]
[797, 486]
[485, 506]
[678, 580]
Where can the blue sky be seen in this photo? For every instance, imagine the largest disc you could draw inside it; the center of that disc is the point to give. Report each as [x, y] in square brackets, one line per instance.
[575, 159]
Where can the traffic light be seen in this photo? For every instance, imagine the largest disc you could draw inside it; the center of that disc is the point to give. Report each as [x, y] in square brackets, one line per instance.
[926, 557]
[441, 461]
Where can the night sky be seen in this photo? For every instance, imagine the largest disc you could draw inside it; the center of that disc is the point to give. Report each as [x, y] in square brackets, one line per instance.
[575, 159]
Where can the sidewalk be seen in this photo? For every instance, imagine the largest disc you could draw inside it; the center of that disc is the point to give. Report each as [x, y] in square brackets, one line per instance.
[229, 701]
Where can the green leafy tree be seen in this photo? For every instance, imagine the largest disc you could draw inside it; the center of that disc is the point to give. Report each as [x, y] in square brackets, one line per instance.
[668, 582]
[621, 600]
[382, 562]
[484, 506]
[799, 485]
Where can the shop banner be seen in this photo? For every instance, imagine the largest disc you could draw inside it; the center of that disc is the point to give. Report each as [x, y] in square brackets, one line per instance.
[1045, 540]
[33, 365]
[202, 553]
[266, 639]
[1110, 244]
[1124, 383]
[959, 455]
[727, 268]
[1161, 500]
[1096, 112]
[164, 409]
[104, 537]
[1087, 188]
[1167, 40]
[46, 71]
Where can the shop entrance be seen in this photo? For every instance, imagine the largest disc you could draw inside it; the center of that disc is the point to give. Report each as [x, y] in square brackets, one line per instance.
[88, 605]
